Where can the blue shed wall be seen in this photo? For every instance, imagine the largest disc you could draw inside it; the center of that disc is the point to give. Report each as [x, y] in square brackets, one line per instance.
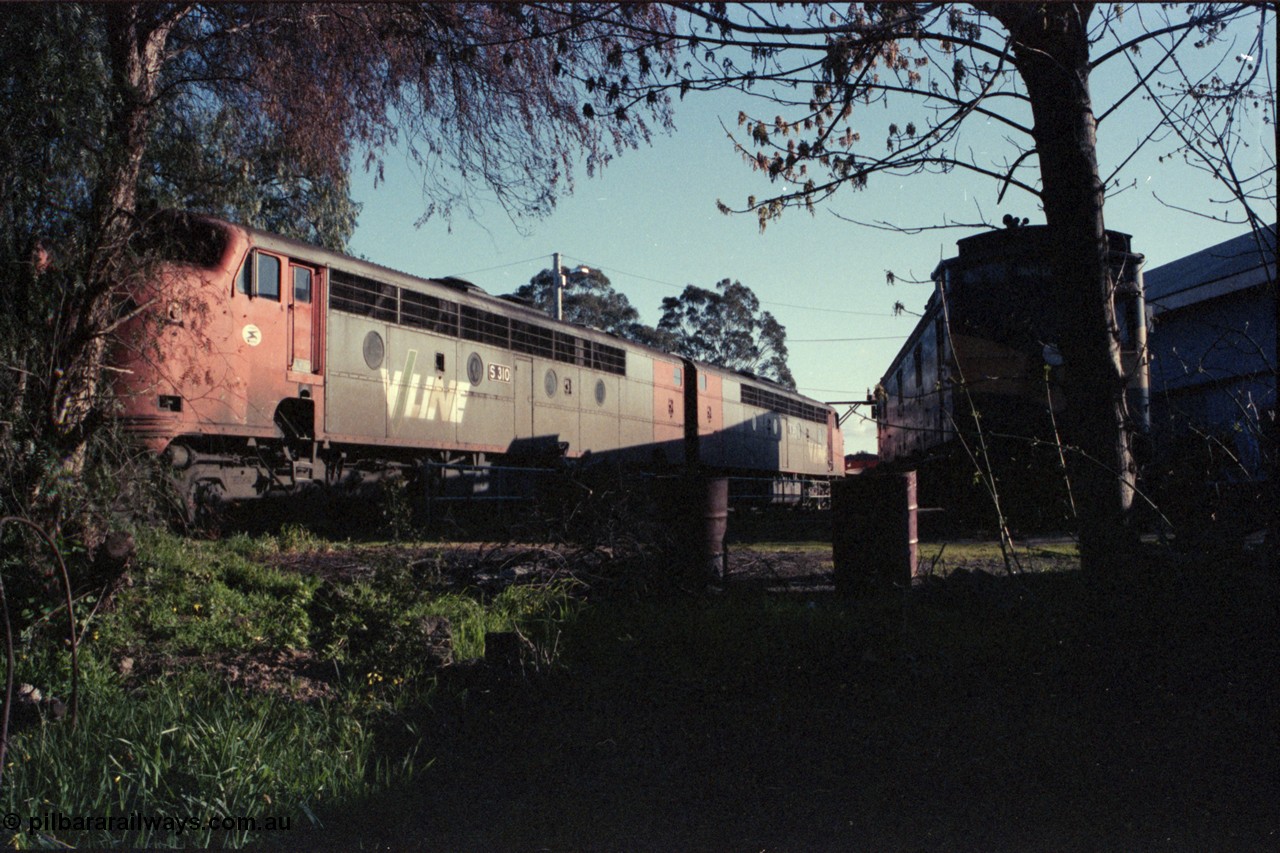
[1213, 349]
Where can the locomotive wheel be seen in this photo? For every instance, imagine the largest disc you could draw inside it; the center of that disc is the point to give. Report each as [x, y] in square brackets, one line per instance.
[206, 505]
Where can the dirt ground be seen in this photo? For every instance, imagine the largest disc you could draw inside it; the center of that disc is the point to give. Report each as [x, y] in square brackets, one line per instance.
[799, 569]
[980, 713]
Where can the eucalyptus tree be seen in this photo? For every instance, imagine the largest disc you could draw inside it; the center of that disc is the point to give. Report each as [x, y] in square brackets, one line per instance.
[943, 76]
[590, 299]
[726, 327]
[258, 111]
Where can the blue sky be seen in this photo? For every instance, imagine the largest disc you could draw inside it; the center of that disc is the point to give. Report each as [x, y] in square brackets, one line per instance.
[649, 220]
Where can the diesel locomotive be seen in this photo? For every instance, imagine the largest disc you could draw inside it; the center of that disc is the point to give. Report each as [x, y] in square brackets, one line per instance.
[258, 364]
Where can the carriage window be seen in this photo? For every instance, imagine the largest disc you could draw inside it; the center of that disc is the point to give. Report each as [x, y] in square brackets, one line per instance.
[268, 277]
[567, 348]
[763, 399]
[301, 284]
[679, 377]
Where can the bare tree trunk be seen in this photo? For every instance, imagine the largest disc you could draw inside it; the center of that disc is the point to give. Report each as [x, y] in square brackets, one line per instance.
[1051, 52]
[136, 41]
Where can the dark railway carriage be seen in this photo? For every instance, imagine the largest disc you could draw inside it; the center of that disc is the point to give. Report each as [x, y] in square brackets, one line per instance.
[279, 365]
[987, 344]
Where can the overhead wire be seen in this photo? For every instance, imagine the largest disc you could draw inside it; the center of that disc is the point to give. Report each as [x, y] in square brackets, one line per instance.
[677, 287]
[842, 340]
[501, 266]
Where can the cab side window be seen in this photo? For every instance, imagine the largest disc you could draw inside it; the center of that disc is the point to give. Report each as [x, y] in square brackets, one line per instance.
[301, 284]
[268, 277]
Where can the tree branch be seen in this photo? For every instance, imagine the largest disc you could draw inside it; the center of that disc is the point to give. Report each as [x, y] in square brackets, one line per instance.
[1190, 23]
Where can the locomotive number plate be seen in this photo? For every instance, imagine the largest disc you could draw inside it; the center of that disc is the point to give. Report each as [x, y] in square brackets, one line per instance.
[499, 373]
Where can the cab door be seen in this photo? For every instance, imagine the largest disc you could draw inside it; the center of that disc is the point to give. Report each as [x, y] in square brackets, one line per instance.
[524, 397]
[304, 356]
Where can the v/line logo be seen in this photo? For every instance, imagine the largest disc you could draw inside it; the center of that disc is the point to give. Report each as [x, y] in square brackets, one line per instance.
[410, 395]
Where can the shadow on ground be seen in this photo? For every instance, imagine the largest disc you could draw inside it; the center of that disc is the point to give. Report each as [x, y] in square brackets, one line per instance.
[1038, 713]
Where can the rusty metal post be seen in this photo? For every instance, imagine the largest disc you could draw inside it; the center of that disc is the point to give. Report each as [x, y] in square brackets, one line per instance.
[875, 544]
[715, 523]
[698, 509]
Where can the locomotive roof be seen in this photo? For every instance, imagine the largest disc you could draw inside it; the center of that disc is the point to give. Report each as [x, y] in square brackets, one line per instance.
[470, 292]
[1022, 239]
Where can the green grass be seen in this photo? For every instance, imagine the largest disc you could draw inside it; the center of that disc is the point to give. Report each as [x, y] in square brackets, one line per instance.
[193, 750]
[176, 739]
[1047, 715]
[192, 597]
[769, 546]
[1051, 556]
[1034, 712]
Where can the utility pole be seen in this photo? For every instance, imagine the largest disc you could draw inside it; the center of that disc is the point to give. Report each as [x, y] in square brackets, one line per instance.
[559, 274]
[560, 281]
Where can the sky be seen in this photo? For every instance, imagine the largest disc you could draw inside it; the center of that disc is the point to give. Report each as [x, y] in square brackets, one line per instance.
[649, 220]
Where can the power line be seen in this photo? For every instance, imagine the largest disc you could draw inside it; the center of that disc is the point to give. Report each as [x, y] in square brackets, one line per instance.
[502, 266]
[827, 310]
[841, 340]
[674, 286]
[669, 284]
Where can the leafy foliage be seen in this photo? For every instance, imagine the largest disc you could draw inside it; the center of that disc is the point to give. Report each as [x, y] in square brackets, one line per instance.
[483, 97]
[590, 299]
[726, 327]
[255, 113]
[210, 163]
[162, 731]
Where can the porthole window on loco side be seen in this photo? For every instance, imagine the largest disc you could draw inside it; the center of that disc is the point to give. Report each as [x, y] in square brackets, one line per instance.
[475, 368]
[551, 381]
[600, 392]
[374, 350]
